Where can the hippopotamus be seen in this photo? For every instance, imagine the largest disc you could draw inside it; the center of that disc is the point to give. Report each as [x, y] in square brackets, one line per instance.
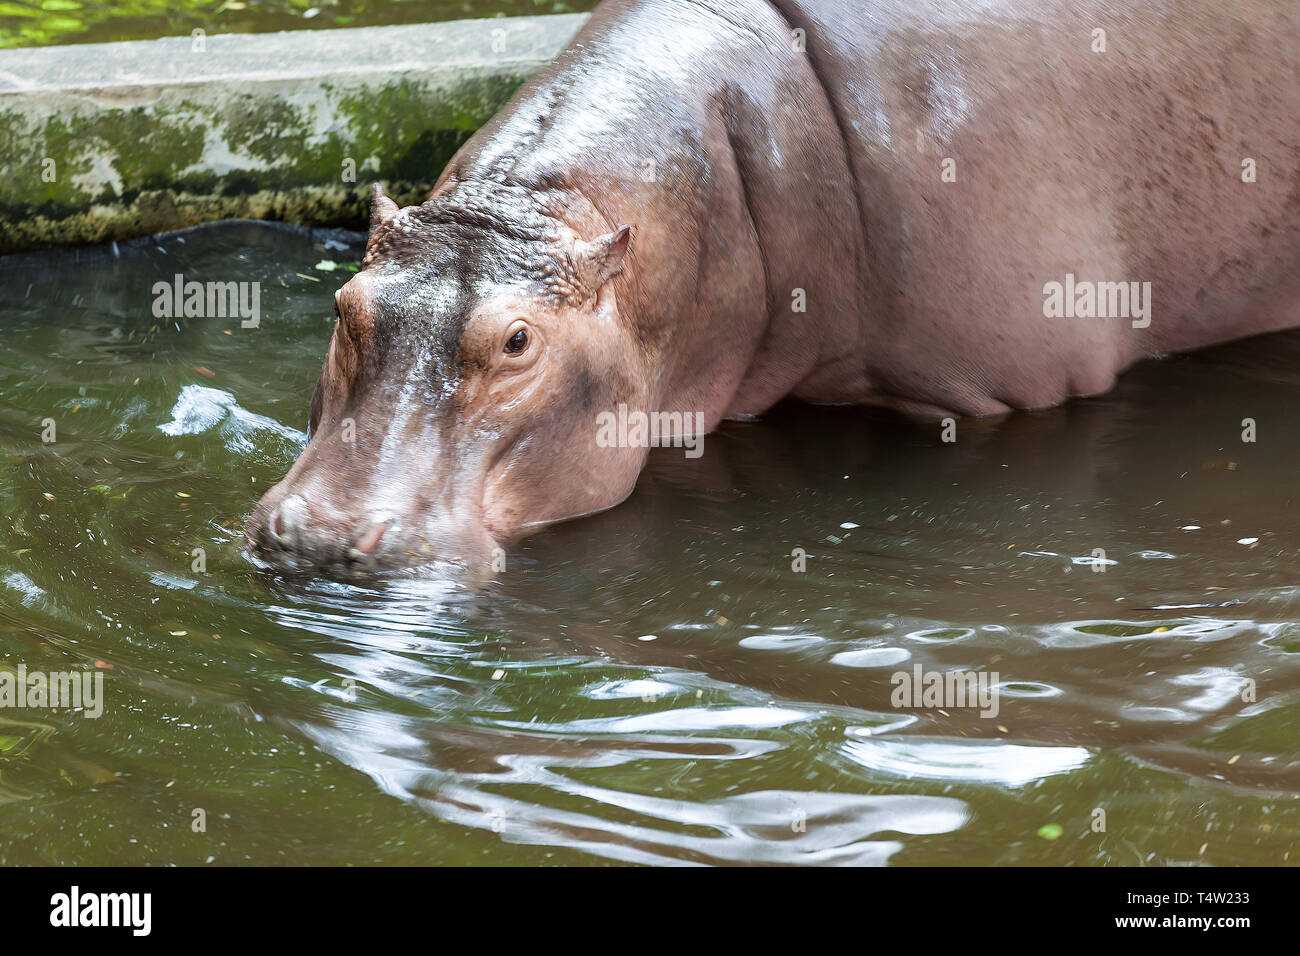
[703, 207]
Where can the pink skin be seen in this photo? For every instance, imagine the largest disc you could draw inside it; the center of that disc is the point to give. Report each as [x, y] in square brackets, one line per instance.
[541, 444]
[795, 236]
[398, 474]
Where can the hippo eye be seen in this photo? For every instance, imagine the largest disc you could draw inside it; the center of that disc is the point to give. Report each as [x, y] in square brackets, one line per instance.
[517, 342]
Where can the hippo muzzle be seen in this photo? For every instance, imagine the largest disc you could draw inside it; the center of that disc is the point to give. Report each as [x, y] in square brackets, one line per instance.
[459, 398]
[338, 513]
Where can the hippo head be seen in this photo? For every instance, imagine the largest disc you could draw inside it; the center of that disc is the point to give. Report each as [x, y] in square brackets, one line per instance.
[458, 403]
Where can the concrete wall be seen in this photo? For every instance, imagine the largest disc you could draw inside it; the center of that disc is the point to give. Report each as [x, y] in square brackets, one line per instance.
[114, 140]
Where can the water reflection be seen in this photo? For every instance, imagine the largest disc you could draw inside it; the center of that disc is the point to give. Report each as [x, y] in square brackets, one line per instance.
[665, 682]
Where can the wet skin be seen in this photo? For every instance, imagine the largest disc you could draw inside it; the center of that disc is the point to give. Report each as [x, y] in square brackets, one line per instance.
[686, 212]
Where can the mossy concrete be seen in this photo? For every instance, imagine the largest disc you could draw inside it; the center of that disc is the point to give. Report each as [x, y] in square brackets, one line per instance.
[117, 140]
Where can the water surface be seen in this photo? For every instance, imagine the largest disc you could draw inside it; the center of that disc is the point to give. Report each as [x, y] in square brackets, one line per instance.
[657, 684]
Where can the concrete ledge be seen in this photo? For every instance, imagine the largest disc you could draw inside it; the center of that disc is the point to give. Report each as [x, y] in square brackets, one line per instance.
[114, 140]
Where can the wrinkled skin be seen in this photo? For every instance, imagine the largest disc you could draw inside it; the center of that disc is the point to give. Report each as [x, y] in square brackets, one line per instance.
[421, 359]
[648, 208]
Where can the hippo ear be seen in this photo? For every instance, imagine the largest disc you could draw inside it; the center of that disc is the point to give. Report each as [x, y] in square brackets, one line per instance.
[601, 259]
[382, 208]
[448, 179]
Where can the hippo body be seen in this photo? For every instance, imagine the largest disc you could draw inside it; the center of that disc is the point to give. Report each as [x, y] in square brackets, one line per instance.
[704, 207]
[775, 170]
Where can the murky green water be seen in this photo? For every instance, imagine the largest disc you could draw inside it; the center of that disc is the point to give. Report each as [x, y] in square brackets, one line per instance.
[43, 22]
[534, 722]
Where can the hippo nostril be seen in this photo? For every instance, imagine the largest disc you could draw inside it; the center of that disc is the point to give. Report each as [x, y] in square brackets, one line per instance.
[369, 539]
[287, 519]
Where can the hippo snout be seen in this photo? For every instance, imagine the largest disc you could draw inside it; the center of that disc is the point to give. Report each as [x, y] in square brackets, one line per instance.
[300, 532]
[293, 532]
